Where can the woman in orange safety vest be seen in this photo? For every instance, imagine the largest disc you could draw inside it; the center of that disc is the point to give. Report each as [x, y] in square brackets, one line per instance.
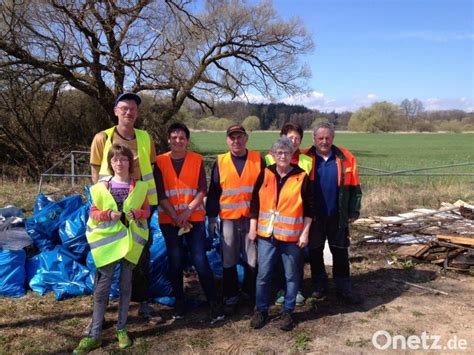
[281, 212]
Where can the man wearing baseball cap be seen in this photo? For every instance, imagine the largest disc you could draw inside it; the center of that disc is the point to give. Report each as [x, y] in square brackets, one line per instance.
[232, 180]
[141, 144]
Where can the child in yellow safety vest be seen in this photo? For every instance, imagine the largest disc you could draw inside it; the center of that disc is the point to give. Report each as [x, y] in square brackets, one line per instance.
[116, 232]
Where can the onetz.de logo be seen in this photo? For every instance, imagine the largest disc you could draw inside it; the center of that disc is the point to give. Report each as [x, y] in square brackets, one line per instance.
[383, 340]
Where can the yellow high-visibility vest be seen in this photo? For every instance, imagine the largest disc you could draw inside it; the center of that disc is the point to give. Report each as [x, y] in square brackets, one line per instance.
[111, 240]
[143, 148]
[304, 162]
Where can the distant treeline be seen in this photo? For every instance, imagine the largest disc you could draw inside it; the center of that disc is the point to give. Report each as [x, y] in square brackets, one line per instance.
[37, 126]
[379, 117]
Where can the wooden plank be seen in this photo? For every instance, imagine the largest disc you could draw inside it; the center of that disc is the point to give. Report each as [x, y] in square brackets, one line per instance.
[415, 250]
[456, 239]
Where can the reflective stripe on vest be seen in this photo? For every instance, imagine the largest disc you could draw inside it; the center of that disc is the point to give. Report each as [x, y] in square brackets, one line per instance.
[111, 240]
[285, 220]
[181, 190]
[237, 190]
[304, 162]
[138, 230]
[103, 225]
[347, 174]
[108, 240]
[144, 151]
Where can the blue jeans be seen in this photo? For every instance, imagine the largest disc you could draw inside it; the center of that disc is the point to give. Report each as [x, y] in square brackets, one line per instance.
[270, 250]
[195, 241]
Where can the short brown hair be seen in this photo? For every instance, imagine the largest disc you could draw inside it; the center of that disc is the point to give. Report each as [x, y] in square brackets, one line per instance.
[120, 149]
[289, 126]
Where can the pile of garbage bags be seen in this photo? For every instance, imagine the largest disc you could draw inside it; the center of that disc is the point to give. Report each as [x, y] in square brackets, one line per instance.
[48, 252]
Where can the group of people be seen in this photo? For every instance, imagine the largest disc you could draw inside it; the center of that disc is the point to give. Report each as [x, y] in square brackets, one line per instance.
[269, 209]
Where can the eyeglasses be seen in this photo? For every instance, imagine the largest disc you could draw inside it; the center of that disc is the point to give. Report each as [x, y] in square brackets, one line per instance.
[127, 109]
[282, 153]
[117, 160]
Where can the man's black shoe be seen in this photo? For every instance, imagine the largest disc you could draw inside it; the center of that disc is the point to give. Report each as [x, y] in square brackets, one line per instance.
[286, 322]
[230, 309]
[217, 313]
[259, 319]
[179, 309]
[350, 298]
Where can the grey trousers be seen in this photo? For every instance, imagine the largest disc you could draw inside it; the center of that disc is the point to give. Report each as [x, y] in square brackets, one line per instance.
[235, 242]
[101, 295]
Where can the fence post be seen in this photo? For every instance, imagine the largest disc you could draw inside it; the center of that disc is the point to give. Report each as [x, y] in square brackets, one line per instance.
[72, 169]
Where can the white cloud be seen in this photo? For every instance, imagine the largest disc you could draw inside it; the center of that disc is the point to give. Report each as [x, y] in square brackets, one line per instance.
[317, 101]
[461, 103]
[320, 101]
[253, 98]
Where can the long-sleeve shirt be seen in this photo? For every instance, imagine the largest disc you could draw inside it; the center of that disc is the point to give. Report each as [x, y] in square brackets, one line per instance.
[215, 189]
[103, 216]
[307, 196]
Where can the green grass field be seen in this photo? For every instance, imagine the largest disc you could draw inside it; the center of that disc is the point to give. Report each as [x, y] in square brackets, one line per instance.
[390, 151]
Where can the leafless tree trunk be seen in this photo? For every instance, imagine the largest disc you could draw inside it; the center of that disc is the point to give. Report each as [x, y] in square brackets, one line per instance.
[26, 104]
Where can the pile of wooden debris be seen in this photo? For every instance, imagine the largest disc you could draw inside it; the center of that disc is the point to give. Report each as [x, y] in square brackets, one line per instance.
[444, 236]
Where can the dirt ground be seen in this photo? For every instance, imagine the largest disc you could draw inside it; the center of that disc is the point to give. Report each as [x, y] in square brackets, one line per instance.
[34, 324]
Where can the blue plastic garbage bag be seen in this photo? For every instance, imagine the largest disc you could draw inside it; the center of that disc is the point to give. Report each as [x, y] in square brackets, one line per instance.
[154, 224]
[14, 239]
[73, 232]
[87, 188]
[43, 225]
[12, 273]
[115, 287]
[160, 287]
[11, 211]
[214, 254]
[57, 271]
[41, 202]
[215, 261]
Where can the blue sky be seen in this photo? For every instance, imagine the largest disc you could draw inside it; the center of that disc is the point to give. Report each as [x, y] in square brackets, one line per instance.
[375, 50]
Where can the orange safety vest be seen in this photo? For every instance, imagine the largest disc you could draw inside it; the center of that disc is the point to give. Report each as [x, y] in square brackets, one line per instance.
[181, 190]
[284, 220]
[347, 174]
[237, 190]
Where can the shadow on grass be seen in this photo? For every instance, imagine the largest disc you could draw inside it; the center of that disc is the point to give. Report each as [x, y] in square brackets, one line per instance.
[376, 288]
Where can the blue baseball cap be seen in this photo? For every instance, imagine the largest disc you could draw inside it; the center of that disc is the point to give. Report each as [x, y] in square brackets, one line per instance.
[128, 96]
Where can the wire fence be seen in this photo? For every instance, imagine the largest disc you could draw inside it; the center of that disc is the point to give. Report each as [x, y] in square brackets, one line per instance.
[78, 167]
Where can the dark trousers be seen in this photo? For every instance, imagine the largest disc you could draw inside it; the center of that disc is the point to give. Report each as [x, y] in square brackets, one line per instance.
[195, 242]
[141, 272]
[141, 275]
[230, 283]
[322, 229]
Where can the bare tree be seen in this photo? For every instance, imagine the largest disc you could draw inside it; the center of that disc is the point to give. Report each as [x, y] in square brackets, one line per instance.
[174, 49]
[411, 109]
[27, 100]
